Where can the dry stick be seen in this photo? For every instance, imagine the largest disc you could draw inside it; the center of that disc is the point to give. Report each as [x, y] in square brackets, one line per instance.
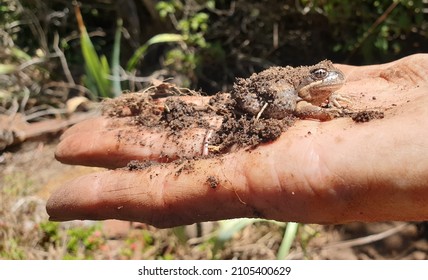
[62, 59]
[205, 145]
[50, 111]
[55, 125]
[30, 62]
[67, 86]
[275, 36]
[261, 111]
[38, 129]
[355, 242]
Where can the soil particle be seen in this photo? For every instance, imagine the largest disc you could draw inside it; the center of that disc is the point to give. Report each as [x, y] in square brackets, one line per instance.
[184, 166]
[212, 182]
[264, 88]
[241, 131]
[179, 115]
[366, 116]
[139, 165]
[128, 105]
[222, 103]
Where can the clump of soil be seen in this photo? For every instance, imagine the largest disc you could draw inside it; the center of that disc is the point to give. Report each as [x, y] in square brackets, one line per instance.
[178, 115]
[174, 115]
[212, 182]
[140, 107]
[366, 116]
[184, 166]
[139, 165]
[242, 131]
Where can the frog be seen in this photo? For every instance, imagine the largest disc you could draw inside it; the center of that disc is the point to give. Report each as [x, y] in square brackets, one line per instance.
[307, 92]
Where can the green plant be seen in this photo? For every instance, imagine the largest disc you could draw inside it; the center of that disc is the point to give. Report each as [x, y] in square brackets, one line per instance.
[79, 242]
[141, 241]
[157, 39]
[13, 251]
[21, 73]
[306, 234]
[191, 22]
[51, 232]
[102, 80]
[17, 184]
[89, 239]
[372, 28]
[230, 227]
[289, 236]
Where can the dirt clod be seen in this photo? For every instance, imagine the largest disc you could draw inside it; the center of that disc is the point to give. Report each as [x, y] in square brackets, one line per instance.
[174, 115]
[178, 115]
[184, 166]
[243, 131]
[212, 182]
[366, 116]
[139, 165]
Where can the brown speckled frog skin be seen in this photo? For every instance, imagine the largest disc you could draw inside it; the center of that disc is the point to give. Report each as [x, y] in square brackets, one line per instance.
[280, 91]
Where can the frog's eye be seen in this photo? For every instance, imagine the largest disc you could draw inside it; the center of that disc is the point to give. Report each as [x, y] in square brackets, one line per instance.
[319, 73]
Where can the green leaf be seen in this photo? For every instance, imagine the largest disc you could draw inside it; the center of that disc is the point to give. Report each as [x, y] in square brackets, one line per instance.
[229, 227]
[7, 69]
[141, 51]
[20, 54]
[287, 241]
[165, 8]
[97, 69]
[115, 60]
[210, 5]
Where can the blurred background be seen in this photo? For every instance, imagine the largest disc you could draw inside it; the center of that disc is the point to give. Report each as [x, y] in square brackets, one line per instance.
[59, 58]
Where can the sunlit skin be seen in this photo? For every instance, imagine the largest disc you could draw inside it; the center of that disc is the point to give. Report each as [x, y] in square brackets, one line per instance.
[335, 171]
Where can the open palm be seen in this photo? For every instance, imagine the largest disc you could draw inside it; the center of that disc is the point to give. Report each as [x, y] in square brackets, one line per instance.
[319, 172]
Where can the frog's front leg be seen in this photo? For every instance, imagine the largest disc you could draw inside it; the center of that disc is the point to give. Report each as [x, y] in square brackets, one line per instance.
[306, 110]
[335, 99]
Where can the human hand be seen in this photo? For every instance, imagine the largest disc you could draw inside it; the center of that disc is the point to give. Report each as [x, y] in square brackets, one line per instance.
[316, 172]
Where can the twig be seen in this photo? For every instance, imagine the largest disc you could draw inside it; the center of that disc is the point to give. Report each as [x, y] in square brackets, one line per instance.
[275, 36]
[259, 114]
[62, 59]
[228, 12]
[30, 62]
[24, 100]
[54, 125]
[366, 239]
[124, 76]
[14, 107]
[68, 86]
[354, 242]
[166, 108]
[46, 112]
[205, 147]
